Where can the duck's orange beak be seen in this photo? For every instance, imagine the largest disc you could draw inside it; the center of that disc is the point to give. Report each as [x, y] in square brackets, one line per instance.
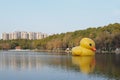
[94, 49]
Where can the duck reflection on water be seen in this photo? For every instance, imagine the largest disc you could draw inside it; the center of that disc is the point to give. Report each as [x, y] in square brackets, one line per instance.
[85, 63]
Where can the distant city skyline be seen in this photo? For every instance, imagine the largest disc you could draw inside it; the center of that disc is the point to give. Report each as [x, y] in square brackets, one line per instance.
[23, 35]
[57, 16]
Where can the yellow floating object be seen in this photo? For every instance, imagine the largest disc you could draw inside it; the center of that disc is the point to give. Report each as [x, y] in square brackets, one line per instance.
[85, 63]
[86, 48]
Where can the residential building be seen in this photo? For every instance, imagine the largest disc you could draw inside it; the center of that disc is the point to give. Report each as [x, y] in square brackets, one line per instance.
[23, 35]
[5, 36]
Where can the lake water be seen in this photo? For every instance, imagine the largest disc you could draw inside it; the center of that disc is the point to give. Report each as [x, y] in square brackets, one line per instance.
[48, 66]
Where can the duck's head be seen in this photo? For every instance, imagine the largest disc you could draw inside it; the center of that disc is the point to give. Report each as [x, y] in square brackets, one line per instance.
[88, 43]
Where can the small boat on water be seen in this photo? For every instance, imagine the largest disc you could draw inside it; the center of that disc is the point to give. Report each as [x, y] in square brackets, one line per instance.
[117, 50]
[19, 50]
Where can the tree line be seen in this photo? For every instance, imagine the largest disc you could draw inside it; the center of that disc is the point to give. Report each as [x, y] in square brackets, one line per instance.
[106, 38]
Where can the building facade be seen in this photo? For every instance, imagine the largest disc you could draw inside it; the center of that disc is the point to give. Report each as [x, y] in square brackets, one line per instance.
[5, 36]
[23, 35]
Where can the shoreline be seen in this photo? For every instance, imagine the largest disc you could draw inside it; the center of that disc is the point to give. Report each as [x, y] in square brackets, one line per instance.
[60, 51]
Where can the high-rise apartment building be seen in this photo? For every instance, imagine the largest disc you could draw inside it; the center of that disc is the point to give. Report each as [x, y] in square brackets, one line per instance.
[39, 35]
[17, 35]
[31, 35]
[23, 35]
[11, 36]
[5, 36]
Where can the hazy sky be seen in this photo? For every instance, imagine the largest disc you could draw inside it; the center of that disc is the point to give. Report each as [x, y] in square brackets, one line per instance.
[57, 16]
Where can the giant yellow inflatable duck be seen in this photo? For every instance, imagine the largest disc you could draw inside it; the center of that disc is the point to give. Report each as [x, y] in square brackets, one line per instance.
[86, 48]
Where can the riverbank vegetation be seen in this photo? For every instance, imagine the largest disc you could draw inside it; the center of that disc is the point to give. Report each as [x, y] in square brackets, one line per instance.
[107, 38]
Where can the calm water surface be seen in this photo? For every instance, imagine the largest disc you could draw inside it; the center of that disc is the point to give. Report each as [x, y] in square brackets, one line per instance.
[46, 66]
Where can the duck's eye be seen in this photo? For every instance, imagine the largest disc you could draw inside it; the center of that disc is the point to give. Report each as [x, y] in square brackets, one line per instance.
[90, 44]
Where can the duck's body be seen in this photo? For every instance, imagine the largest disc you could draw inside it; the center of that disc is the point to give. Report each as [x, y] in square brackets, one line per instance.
[86, 48]
[80, 51]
